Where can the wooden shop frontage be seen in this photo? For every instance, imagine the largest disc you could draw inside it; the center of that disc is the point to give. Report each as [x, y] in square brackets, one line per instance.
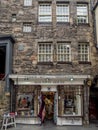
[65, 97]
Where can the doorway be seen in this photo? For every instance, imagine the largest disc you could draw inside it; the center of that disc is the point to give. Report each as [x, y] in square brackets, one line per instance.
[93, 105]
[49, 104]
[2, 59]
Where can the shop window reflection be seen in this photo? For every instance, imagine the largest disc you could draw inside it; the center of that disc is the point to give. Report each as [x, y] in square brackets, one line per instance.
[25, 104]
[73, 100]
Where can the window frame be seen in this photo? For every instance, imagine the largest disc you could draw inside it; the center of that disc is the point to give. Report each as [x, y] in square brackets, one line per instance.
[44, 55]
[66, 56]
[27, 2]
[62, 15]
[82, 54]
[73, 99]
[45, 10]
[27, 28]
[83, 17]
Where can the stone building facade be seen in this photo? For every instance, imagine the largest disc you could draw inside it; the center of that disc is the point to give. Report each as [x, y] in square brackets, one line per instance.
[54, 54]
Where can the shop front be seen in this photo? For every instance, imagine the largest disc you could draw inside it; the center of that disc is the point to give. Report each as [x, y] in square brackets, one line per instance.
[63, 98]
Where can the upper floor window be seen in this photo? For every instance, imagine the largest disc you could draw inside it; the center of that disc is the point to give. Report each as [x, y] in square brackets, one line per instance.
[27, 27]
[82, 13]
[27, 2]
[45, 12]
[62, 13]
[83, 51]
[63, 52]
[45, 52]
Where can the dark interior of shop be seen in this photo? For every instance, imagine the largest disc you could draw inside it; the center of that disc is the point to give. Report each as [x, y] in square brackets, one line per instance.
[2, 61]
[93, 104]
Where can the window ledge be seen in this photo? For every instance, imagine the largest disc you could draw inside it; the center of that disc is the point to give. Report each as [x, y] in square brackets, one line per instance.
[45, 63]
[83, 24]
[65, 62]
[60, 23]
[44, 23]
[85, 62]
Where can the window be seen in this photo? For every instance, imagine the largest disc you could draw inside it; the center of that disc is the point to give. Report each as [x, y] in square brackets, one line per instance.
[83, 51]
[45, 13]
[13, 17]
[45, 52]
[82, 13]
[25, 101]
[27, 27]
[63, 52]
[73, 100]
[27, 2]
[62, 13]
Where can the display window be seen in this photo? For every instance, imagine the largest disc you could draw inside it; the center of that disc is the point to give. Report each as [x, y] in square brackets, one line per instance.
[25, 101]
[73, 97]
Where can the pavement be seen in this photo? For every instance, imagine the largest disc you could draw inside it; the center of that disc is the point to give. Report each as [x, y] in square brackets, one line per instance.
[50, 126]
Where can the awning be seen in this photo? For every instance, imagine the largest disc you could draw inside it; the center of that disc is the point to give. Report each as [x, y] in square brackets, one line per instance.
[48, 79]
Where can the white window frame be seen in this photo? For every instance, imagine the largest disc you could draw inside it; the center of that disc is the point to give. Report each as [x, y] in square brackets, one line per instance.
[45, 12]
[84, 52]
[27, 2]
[27, 27]
[82, 13]
[63, 52]
[73, 102]
[62, 12]
[45, 52]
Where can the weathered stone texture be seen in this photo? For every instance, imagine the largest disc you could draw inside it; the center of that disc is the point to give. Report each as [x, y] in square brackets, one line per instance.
[25, 60]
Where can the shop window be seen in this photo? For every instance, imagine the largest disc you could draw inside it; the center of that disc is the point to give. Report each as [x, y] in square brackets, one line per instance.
[25, 102]
[73, 100]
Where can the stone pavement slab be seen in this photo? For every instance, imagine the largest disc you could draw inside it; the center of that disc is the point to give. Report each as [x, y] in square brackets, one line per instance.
[50, 126]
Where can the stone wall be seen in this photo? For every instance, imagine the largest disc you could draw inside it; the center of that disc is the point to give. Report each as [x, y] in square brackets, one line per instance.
[4, 99]
[25, 59]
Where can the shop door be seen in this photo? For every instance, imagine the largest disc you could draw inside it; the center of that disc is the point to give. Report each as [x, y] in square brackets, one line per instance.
[55, 108]
[49, 104]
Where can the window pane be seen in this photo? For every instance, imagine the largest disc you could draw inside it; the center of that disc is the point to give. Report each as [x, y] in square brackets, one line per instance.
[45, 53]
[27, 27]
[63, 52]
[83, 51]
[27, 2]
[45, 13]
[73, 100]
[82, 14]
[62, 12]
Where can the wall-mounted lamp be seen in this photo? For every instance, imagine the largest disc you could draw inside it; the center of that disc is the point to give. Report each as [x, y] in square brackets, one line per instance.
[71, 79]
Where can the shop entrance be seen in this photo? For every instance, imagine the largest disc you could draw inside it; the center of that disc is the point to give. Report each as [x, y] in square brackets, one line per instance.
[93, 105]
[49, 104]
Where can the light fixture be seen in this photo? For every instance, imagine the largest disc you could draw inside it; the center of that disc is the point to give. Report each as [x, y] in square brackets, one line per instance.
[71, 79]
